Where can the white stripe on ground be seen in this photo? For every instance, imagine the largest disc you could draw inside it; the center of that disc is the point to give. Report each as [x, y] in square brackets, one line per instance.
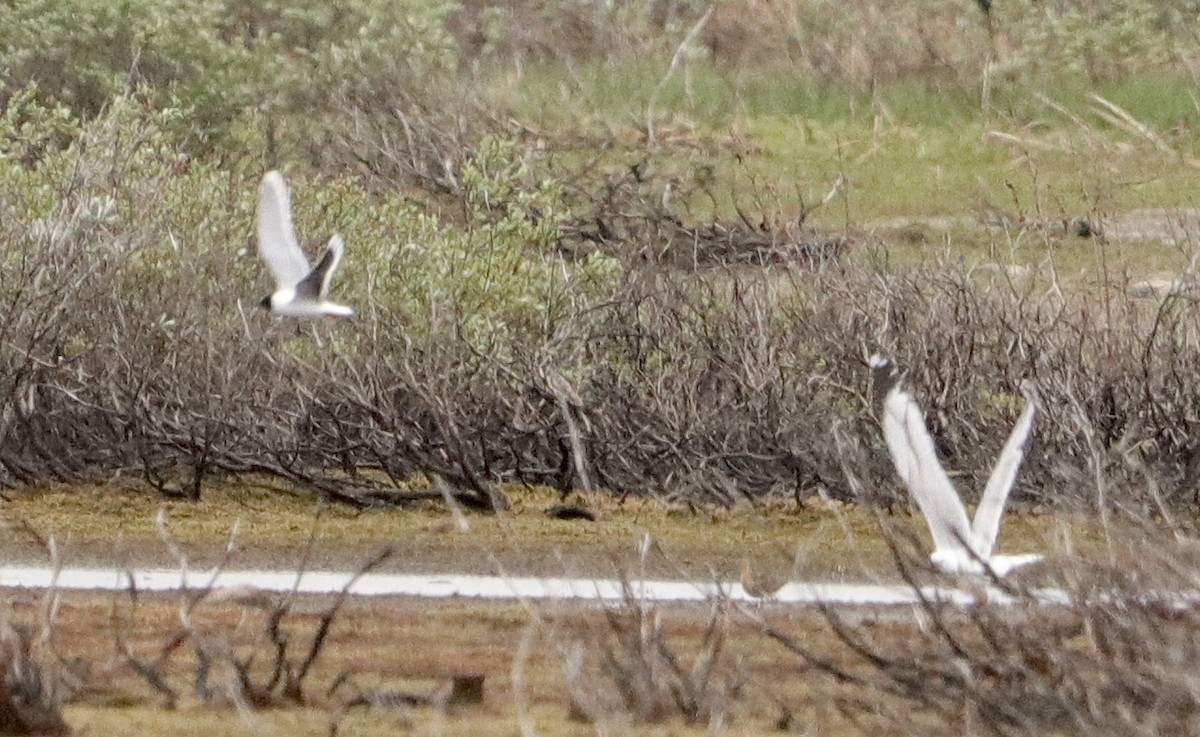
[481, 587]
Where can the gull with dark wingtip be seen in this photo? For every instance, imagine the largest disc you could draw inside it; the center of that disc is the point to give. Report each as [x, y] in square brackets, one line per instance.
[299, 290]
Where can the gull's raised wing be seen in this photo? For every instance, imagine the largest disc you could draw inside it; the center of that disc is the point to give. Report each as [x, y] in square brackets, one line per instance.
[995, 495]
[916, 461]
[327, 267]
[315, 285]
[276, 237]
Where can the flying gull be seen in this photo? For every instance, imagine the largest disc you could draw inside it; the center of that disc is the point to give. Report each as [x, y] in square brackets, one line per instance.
[299, 289]
[960, 545]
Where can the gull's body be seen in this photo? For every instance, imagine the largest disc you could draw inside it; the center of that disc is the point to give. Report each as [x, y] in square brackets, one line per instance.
[960, 545]
[299, 290]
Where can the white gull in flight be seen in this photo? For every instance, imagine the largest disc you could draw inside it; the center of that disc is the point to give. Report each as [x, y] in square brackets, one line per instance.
[960, 545]
[299, 290]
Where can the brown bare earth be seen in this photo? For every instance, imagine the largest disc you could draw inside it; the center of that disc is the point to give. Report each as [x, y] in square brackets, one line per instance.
[132, 662]
[397, 649]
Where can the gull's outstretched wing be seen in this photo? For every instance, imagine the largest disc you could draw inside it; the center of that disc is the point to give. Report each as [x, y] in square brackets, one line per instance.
[276, 237]
[995, 495]
[916, 462]
[327, 266]
[315, 285]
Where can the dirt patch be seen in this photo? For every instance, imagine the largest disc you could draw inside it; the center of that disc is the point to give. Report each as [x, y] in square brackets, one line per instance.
[400, 646]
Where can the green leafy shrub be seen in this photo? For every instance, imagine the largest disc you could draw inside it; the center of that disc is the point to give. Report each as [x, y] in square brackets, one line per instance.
[217, 60]
[132, 267]
[497, 279]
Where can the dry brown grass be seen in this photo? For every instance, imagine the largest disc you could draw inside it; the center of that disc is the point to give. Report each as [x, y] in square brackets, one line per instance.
[30, 693]
[626, 664]
[385, 647]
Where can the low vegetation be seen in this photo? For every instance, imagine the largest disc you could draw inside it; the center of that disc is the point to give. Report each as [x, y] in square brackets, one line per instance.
[544, 303]
[1099, 656]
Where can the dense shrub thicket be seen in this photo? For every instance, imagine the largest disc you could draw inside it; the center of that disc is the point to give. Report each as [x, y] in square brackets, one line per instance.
[486, 351]
[513, 326]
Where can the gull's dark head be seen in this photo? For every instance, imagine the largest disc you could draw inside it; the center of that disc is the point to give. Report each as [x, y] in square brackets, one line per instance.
[884, 377]
[265, 303]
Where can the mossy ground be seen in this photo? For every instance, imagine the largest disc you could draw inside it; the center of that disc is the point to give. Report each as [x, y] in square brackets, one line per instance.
[811, 537]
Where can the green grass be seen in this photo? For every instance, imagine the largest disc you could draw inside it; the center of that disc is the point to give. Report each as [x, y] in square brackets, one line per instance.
[916, 151]
[619, 90]
[917, 171]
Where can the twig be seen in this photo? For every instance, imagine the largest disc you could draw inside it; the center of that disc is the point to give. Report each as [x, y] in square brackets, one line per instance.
[680, 51]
